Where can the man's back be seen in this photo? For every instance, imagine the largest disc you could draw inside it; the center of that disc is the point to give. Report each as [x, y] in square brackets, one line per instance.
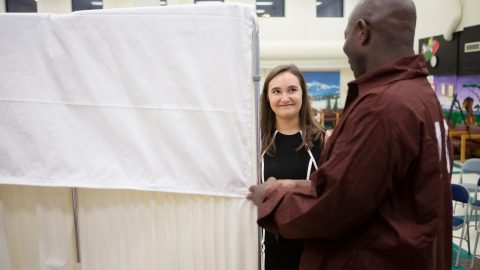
[409, 226]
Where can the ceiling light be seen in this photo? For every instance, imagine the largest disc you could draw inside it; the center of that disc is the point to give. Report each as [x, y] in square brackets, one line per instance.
[319, 3]
[264, 3]
[266, 15]
[260, 11]
[96, 3]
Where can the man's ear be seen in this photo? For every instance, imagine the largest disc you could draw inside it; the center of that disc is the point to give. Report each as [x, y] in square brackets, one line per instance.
[363, 31]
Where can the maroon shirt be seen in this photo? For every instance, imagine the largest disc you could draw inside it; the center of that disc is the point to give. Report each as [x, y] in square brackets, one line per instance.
[381, 198]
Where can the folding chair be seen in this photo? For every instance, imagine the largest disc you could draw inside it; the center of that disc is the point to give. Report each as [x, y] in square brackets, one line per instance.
[475, 205]
[461, 194]
[471, 166]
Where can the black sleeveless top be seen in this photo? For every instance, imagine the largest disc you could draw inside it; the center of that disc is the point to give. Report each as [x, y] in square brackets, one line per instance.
[287, 164]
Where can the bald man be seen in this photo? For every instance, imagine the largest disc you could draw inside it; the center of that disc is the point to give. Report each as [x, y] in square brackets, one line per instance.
[381, 198]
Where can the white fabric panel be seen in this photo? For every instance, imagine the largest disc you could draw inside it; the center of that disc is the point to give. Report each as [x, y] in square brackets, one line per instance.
[38, 225]
[4, 249]
[126, 229]
[148, 98]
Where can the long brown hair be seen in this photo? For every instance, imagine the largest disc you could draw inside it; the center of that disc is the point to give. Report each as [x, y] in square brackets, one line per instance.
[311, 130]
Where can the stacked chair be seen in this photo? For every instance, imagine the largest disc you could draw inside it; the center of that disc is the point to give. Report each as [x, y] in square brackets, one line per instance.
[338, 114]
[463, 140]
[461, 194]
[327, 115]
[472, 166]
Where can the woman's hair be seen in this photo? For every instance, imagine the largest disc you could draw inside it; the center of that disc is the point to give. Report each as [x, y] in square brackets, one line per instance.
[311, 130]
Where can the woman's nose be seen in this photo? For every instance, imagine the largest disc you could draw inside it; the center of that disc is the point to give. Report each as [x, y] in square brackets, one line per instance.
[285, 98]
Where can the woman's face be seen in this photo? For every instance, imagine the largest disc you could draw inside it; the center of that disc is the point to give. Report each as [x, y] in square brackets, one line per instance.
[285, 95]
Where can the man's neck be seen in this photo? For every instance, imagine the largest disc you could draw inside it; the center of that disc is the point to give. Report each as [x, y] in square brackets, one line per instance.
[382, 58]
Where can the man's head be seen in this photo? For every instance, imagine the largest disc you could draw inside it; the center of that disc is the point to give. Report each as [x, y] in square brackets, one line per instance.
[378, 32]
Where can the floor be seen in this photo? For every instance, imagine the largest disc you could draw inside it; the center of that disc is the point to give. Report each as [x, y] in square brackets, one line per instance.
[465, 258]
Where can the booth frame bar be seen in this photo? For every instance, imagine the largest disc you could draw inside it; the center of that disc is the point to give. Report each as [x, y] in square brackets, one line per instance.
[256, 81]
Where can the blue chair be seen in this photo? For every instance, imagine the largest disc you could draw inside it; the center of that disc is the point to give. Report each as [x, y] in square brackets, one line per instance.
[475, 205]
[461, 194]
[471, 166]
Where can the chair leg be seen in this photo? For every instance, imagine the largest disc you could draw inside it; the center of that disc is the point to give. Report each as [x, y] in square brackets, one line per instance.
[474, 250]
[468, 239]
[476, 225]
[460, 245]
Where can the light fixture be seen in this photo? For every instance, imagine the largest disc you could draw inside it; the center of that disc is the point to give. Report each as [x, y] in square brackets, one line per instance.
[266, 15]
[319, 3]
[264, 3]
[96, 3]
[260, 11]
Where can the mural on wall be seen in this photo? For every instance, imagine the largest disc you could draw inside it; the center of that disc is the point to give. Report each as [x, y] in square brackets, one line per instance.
[455, 73]
[324, 87]
[467, 91]
[429, 49]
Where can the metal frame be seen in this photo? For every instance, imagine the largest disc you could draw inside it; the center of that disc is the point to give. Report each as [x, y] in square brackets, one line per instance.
[256, 81]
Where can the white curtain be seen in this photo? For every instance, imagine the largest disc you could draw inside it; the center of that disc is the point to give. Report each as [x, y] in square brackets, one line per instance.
[149, 113]
[125, 229]
[148, 99]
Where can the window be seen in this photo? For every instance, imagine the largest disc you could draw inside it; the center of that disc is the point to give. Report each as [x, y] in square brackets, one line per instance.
[163, 3]
[270, 8]
[21, 5]
[329, 8]
[86, 4]
[207, 1]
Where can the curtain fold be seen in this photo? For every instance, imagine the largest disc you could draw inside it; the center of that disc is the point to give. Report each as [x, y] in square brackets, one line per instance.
[125, 229]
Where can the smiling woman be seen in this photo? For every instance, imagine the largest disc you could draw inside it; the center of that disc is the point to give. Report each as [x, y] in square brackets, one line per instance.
[285, 96]
[291, 145]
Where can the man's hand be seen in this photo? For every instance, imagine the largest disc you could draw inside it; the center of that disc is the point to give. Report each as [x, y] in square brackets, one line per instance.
[257, 192]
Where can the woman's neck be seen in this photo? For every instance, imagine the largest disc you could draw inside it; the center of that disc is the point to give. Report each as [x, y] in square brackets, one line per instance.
[288, 126]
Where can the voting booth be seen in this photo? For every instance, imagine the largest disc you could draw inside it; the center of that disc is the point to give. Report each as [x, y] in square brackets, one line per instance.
[128, 138]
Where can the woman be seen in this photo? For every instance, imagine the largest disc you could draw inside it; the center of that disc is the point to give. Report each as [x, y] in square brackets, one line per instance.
[291, 145]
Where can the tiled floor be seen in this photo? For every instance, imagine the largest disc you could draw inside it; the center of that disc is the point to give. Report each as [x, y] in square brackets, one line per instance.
[465, 258]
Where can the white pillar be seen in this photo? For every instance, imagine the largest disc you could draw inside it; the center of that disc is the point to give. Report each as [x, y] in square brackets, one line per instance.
[118, 4]
[3, 7]
[54, 6]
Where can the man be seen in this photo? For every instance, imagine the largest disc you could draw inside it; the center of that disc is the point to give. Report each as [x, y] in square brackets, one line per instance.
[381, 198]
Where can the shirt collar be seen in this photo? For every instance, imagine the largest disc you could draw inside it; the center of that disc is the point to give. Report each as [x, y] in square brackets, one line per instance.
[400, 69]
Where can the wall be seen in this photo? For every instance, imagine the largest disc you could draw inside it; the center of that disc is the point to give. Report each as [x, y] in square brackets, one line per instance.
[313, 44]
[54, 6]
[457, 73]
[434, 16]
